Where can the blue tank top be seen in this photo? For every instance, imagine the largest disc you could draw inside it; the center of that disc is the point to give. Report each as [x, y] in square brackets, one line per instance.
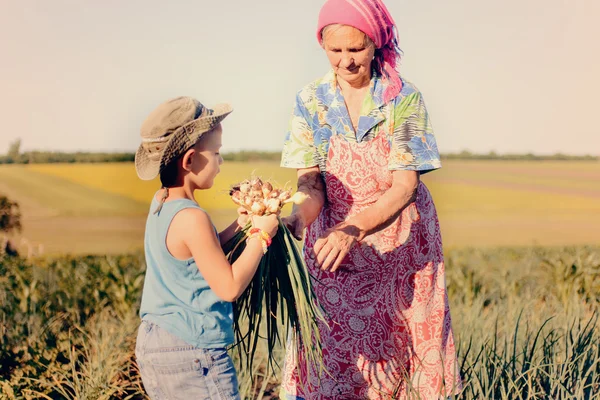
[176, 296]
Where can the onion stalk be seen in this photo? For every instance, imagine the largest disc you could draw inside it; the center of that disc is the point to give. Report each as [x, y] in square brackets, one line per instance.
[280, 291]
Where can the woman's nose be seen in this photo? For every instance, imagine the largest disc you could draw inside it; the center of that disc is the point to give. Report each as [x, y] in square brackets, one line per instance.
[346, 60]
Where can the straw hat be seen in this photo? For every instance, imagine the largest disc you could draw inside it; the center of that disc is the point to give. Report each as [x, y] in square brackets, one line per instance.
[171, 129]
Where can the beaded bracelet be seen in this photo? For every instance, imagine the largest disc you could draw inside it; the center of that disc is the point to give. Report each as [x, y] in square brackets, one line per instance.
[265, 247]
[265, 238]
[262, 233]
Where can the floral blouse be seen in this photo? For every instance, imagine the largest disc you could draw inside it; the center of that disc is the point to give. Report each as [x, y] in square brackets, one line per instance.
[320, 112]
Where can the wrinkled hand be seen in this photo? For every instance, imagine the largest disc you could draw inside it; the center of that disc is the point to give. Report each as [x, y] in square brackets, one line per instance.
[295, 224]
[331, 249]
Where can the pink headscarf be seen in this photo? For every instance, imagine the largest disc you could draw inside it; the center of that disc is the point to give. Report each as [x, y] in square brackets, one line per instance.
[372, 18]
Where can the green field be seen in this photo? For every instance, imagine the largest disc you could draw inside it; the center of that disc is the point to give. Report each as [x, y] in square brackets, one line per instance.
[101, 208]
[525, 321]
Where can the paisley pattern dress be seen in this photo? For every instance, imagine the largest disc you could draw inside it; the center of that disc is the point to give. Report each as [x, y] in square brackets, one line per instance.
[389, 333]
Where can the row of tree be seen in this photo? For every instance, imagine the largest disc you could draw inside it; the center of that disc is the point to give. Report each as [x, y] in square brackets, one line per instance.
[15, 156]
[492, 155]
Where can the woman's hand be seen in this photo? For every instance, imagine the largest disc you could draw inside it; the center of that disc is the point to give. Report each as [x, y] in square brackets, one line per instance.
[295, 224]
[331, 249]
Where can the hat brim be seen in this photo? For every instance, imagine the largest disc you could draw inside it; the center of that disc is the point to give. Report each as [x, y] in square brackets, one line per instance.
[180, 141]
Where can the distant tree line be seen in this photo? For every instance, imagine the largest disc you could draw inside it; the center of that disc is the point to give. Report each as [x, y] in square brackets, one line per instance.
[15, 156]
[247, 155]
[46, 157]
[492, 155]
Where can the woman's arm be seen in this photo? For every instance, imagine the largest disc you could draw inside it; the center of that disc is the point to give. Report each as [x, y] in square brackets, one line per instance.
[311, 184]
[331, 249]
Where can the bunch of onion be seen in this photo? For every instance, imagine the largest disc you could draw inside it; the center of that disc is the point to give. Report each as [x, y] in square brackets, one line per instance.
[280, 292]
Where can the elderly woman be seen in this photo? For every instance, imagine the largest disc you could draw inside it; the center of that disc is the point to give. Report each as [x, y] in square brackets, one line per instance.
[360, 138]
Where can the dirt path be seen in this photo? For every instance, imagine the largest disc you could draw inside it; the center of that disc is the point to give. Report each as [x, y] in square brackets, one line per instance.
[27, 205]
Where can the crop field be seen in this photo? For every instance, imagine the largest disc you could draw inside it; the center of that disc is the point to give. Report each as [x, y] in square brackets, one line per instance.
[525, 322]
[101, 208]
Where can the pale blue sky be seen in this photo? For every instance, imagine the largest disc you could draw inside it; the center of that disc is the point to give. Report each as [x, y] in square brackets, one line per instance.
[503, 75]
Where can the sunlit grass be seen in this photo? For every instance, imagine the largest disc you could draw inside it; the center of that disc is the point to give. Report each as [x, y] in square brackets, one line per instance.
[63, 196]
[479, 203]
[121, 179]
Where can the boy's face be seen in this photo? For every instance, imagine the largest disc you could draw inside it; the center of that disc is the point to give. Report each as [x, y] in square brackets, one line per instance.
[206, 161]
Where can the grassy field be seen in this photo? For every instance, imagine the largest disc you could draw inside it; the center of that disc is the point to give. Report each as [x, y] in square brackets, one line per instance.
[100, 208]
[525, 321]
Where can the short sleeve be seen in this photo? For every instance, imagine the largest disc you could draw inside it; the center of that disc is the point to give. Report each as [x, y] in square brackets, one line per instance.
[299, 149]
[413, 145]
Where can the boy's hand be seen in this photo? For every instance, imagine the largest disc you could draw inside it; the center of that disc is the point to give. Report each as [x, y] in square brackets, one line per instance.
[243, 217]
[268, 223]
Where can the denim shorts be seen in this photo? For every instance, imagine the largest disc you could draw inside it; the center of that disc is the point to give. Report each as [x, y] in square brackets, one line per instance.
[174, 369]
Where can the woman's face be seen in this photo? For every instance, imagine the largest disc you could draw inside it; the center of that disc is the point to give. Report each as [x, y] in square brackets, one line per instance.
[350, 53]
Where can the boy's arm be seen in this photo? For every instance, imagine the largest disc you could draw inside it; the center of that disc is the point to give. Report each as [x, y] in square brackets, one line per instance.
[227, 281]
[236, 226]
[226, 234]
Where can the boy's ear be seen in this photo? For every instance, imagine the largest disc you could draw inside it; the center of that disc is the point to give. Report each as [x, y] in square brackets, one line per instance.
[187, 159]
